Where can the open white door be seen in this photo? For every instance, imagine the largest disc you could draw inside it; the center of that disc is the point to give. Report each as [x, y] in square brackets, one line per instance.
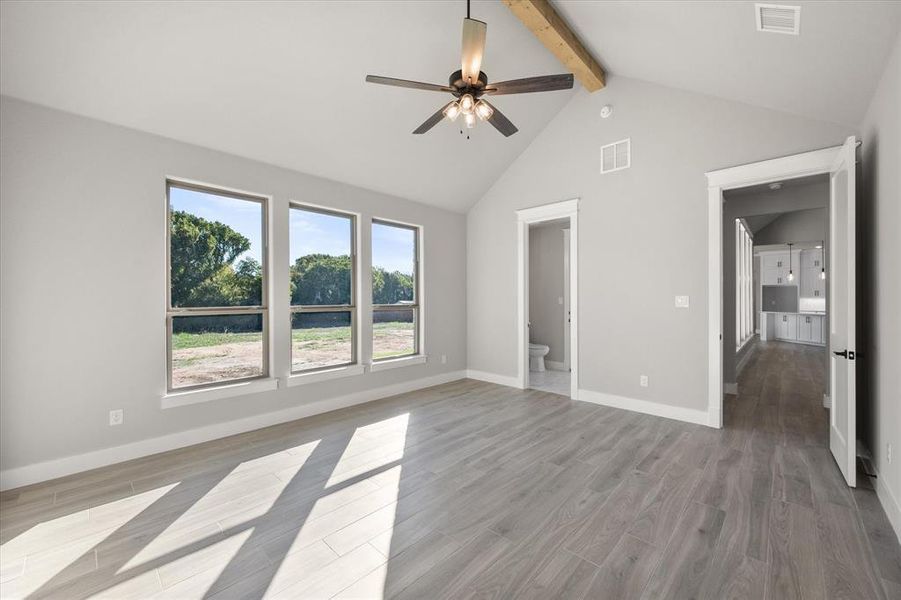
[566, 306]
[842, 339]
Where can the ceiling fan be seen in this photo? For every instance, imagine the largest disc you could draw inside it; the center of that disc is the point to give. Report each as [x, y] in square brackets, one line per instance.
[470, 84]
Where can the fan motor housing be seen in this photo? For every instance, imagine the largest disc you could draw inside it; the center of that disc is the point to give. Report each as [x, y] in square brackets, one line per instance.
[476, 88]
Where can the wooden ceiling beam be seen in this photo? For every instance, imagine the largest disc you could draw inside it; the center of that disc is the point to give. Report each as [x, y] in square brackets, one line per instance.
[542, 20]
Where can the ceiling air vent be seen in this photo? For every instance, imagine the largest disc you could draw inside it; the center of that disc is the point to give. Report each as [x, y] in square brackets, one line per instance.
[777, 18]
[616, 156]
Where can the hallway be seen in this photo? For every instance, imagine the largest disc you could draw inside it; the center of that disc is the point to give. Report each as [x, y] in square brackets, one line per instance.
[813, 514]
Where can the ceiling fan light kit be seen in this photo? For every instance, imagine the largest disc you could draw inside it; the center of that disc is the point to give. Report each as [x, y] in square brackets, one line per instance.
[469, 84]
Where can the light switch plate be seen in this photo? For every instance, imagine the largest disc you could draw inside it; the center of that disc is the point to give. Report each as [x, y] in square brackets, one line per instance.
[116, 417]
[681, 301]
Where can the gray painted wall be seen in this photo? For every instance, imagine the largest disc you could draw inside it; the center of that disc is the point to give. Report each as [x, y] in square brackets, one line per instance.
[739, 203]
[879, 281]
[798, 226]
[642, 231]
[82, 206]
[546, 288]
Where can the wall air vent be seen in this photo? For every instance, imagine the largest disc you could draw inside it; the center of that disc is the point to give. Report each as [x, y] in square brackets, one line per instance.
[777, 18]
[616, 156]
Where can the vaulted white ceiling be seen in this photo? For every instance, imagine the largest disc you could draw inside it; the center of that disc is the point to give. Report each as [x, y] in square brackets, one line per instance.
[283, 82]
[829, 72]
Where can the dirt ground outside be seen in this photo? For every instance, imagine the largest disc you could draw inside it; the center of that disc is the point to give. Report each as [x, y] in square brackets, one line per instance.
[208, 358]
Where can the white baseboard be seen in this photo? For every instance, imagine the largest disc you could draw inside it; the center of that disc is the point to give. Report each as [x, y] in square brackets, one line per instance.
[689, 415]
[554, 365]
[827, 401]
[890, 504]
[51, 469]
[493, 378]
[730, 388]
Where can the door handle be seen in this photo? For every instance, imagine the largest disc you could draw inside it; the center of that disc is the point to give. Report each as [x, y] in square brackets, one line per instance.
[849, 354]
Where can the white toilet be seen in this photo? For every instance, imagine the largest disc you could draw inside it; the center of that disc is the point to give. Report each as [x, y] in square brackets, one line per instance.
[537, 352]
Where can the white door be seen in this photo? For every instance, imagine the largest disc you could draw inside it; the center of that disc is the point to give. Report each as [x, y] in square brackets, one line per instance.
[566, 305]
[843, 414]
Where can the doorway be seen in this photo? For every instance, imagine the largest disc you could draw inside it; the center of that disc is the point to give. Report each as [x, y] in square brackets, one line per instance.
[557, 226]
[838, 163]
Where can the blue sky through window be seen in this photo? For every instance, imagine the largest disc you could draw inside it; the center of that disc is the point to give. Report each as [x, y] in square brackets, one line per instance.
[393, 248]
[244, 216]
[318, 233]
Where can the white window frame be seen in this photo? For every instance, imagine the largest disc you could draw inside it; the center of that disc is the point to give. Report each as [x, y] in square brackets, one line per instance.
[217, 311]
[416, 305]
[744, 284]
[352, 308]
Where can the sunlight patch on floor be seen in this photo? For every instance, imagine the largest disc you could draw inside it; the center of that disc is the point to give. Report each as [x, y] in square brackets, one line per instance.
[386, 448]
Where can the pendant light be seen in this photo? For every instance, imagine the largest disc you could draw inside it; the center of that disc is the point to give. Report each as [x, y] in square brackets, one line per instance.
[823, 260]
[791, 276]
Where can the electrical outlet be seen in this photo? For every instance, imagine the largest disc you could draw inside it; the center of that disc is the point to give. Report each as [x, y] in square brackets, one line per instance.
[681, 301]
[643, 381]
[444, 359]
[116, 417]
[888, 453]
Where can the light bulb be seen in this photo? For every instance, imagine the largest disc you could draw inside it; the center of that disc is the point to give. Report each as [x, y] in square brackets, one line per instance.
[823, 274]
[791, 276]
[466, 103]
[484, 110]
[452, 111]
[470, 120]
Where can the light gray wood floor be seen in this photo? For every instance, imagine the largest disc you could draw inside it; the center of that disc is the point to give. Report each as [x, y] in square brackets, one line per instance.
[474, 490]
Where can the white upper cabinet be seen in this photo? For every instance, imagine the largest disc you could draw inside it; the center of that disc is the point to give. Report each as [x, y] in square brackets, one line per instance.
[812, 286]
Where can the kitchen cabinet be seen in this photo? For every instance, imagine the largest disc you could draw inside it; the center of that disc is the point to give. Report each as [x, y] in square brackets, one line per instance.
[794, 327]
[787, 326]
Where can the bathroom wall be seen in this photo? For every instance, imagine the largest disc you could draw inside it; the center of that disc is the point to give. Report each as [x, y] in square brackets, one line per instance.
[546, 288]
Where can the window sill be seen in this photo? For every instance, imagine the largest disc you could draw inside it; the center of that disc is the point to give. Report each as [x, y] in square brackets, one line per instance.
[175, 399]
[394, 363]
[325, 375]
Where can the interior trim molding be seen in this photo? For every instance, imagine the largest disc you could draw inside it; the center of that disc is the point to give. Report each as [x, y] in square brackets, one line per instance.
[718, 181]
[667, 411]
[566, 209]
[890, 504]
[69, 465]
[555, 365]
[506, 380]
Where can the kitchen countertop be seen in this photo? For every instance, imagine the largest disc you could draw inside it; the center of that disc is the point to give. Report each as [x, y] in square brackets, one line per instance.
[788, 312]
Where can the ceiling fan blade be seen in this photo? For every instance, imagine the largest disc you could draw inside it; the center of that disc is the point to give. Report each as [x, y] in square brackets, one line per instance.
[406, 83]
[500, 122]
[473, 48]
[433, 120]
[544, 83]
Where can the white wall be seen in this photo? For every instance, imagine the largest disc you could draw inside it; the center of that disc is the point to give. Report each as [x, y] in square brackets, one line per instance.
[643, 232]
[546, 288]
[879, 283]
[82, 205]
[809, 225]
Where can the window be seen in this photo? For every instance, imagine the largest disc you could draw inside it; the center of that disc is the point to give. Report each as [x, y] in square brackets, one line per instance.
[323, 267]
[744, 284]
[217, 318]
[395, 290]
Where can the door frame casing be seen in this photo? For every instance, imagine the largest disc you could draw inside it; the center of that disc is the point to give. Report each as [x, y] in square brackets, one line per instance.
[567, 209]
[816, 162]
